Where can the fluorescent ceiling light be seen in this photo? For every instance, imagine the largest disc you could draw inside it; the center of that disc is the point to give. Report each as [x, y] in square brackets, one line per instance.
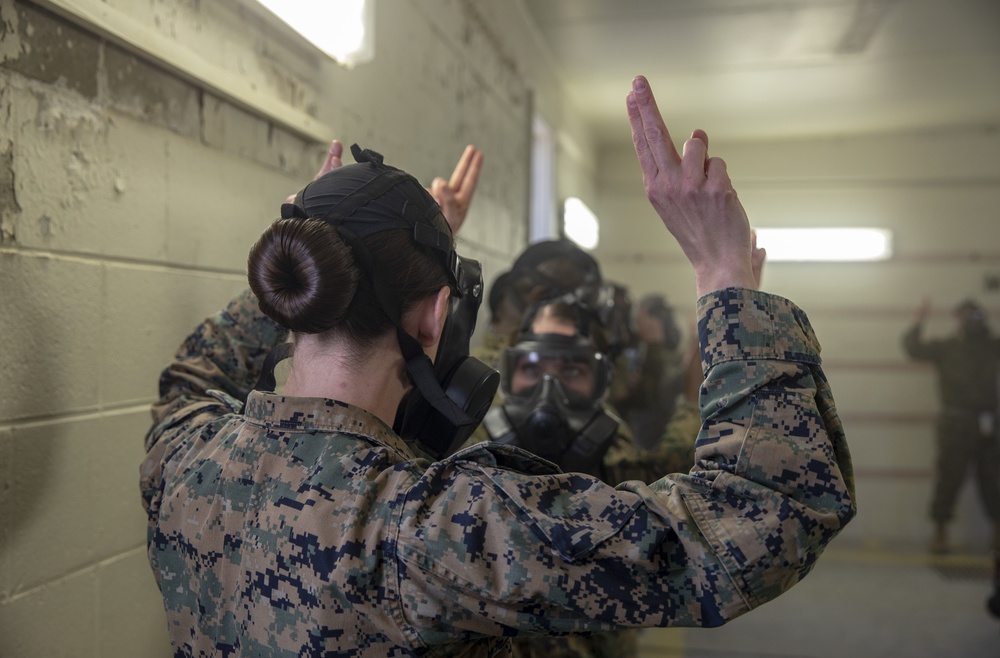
[340, 28]
[825, 244]
[580, 223]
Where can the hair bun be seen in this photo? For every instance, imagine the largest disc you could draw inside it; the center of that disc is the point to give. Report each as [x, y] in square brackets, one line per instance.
[303, 274]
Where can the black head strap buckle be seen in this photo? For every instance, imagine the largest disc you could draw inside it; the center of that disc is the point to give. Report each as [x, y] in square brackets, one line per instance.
[294, 210]
[366, 155]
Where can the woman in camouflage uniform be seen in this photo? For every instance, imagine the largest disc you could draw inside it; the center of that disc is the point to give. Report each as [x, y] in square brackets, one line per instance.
[306, 526]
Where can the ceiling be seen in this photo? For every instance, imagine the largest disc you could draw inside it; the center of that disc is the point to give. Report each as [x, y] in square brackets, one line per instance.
[764, 69]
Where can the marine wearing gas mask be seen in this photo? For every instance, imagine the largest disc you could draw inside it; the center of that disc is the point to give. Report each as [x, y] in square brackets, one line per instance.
[554, 383]
[451, 395]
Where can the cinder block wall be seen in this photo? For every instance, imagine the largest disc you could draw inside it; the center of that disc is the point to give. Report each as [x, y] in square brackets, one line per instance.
[129, 196]
[939, 193]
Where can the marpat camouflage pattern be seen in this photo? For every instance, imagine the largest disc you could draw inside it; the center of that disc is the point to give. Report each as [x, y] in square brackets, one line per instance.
[306, 527]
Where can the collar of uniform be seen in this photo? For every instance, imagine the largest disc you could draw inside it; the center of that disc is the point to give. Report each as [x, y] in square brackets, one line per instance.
[319, 414]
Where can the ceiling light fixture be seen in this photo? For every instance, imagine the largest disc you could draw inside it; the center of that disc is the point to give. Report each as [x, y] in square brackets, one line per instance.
[825, 244]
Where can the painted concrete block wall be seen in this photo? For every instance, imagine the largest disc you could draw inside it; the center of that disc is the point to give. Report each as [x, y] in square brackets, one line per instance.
[129, 196]
[938, 192]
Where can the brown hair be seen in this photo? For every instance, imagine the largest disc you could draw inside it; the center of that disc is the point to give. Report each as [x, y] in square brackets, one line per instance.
[306, 278]
[564, 312]
[559, 311]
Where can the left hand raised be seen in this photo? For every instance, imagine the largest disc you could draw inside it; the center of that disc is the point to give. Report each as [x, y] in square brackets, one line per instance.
[455, 195]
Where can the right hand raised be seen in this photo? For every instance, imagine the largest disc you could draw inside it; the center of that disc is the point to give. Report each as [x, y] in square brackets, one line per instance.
[693, 196]
[455, 195]
[923, 311]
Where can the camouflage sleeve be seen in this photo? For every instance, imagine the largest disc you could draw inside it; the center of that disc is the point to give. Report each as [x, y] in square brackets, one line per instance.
[683, 427]
[625, 460]
[212, 373]
[490, 542]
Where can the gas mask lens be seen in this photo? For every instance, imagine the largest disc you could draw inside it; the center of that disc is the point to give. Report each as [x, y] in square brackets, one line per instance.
[575, 375]
[553, 389]
[580, 371]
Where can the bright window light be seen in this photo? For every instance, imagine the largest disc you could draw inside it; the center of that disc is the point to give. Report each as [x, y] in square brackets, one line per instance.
[825, 244]
[543, 220]
[340, 28]
[580, 223]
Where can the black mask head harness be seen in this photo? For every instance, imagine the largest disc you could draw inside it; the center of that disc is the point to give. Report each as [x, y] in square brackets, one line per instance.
[452, 394]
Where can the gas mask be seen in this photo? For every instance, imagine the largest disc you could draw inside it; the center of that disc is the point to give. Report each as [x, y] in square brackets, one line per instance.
[451, 395]
[553, 387]
[466, 382]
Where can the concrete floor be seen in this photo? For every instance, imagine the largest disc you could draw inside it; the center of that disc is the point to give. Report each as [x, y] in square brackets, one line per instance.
[858, 604]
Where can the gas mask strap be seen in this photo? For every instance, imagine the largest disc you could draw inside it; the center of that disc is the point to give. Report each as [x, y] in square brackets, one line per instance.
[587, 450]
[266, 381]
[365, 194]
[421, 371]
[418, 365]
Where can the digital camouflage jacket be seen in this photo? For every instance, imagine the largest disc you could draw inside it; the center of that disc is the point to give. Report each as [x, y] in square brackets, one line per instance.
[306, 527]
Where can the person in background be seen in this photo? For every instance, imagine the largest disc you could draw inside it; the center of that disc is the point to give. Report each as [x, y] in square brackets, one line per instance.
[504, 320]
[550, 416]
[553, 383]
[675, 387]
[306, 525]
[648, 393]
[993, 603]
[967, 430]
[543, 270]
[623, 336]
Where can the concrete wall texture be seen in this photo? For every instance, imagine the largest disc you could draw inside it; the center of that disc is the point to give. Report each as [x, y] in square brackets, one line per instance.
[130, 193]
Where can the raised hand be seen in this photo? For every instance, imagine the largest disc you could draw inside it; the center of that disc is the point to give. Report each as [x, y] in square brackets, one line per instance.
[455, 195]
[333, 161]
[693, 196]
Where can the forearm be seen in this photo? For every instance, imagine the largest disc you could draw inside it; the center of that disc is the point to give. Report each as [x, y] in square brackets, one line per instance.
[225, 353]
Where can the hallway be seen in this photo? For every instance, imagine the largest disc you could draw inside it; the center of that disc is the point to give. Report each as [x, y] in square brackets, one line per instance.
[859, 603]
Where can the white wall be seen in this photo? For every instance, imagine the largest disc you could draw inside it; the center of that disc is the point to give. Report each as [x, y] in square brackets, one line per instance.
[939, 193]
[130, 193]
